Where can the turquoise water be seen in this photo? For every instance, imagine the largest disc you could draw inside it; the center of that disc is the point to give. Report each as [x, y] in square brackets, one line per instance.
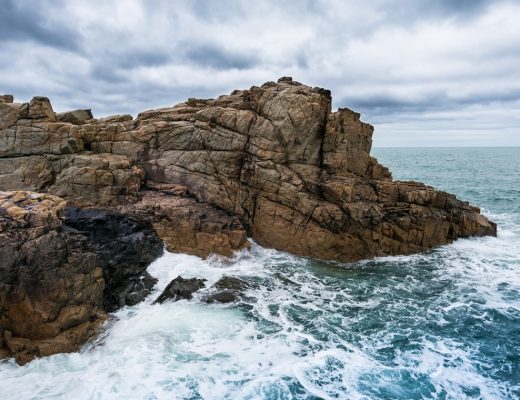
[441, 325]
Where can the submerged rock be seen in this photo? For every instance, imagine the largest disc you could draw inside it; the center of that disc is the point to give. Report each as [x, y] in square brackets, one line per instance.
[227, 290]
[180, 288]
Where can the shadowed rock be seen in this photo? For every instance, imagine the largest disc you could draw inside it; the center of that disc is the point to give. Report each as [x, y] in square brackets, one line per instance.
[75, 117]
[51, 284]
[8, 98]
[125, 247]
[180, 288]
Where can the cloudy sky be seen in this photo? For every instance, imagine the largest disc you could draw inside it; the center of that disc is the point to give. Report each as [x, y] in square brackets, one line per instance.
[425, 73]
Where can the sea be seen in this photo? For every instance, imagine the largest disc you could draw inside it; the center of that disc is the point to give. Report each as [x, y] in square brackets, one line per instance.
[439, 325]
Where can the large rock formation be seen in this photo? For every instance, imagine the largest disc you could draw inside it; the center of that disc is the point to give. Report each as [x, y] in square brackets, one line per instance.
[271, 162]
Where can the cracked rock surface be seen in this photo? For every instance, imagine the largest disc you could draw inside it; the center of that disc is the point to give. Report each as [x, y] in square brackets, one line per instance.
[272, 162]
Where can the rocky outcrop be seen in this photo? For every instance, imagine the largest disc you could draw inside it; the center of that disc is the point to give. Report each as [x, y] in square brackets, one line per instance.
[272, 162]
[51, 284]
[62, 269]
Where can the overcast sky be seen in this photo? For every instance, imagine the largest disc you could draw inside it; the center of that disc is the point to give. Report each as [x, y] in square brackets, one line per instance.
[424, 73]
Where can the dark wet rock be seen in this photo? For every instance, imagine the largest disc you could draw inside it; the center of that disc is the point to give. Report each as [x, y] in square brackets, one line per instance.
[181, 288]
[231, 283]
[125, 247]
[138, 289]
[228, 289]
[226, 296]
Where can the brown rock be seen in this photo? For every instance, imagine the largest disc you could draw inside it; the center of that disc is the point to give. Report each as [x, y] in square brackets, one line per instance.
[40, 108]
[272, 161]
[187, 226]
[50, 282]
[76, 117]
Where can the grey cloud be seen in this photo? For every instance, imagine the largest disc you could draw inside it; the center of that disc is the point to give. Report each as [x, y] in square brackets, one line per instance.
[392, 60]
[20, 20]
[384, 106]
[211, 55]
[115, 68]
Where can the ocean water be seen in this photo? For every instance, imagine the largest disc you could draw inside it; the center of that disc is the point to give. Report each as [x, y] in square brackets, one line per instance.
[440, 325]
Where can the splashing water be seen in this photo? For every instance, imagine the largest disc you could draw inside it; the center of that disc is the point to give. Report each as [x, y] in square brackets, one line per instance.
[440, 325]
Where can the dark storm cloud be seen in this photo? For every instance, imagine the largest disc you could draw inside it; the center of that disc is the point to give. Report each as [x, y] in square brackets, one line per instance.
[21, 20]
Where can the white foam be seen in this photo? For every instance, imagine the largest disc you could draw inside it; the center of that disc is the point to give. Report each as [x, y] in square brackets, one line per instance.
[294, 331]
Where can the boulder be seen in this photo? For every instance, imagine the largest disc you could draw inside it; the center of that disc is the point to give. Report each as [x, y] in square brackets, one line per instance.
[180, 288]
[227, 289]
[76, 117]
[40, 108]
[7, 98]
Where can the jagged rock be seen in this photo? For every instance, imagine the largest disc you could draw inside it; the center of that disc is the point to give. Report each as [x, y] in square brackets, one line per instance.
[225, 296]
[76, 117]
[125, 247]
[91, 180]
[40, 108]
[272, 161]
[51, 285]
[180, 288]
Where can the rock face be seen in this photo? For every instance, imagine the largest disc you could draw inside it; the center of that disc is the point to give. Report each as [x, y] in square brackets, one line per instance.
[51, 284]
[62, 269]
[124, 247]
[272, 162]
